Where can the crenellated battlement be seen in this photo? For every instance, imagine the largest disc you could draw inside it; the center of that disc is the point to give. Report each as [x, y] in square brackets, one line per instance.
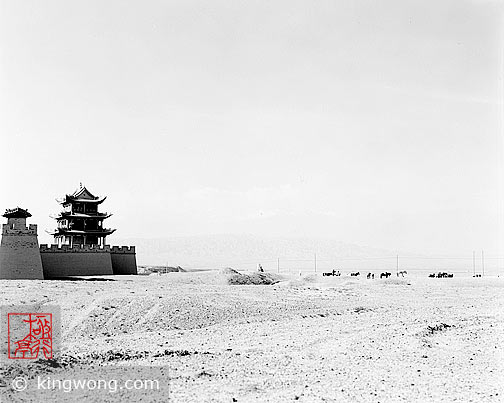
[19, 252]
[79, 260]
[122, 249]
[79, 250]
[44, 248]
[9, 229]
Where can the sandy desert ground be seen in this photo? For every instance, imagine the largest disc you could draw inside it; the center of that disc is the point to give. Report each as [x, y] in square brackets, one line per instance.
[306, 339]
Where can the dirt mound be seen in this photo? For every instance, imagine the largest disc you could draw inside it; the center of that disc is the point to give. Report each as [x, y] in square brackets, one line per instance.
[177, 269]
[310, 278]
[228, 270]
[157, 270]
[396, 281]
[235, 278]
[304, 281]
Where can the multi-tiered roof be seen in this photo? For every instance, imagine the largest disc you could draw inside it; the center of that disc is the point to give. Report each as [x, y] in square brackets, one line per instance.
[80, 222]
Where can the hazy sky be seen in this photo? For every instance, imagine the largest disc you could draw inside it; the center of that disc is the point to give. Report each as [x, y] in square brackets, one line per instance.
[375, 122]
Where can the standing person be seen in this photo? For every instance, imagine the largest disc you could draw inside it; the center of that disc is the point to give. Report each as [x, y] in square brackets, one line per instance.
[259, 268]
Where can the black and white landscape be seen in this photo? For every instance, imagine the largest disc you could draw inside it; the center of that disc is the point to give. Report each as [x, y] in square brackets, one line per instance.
[305, 139]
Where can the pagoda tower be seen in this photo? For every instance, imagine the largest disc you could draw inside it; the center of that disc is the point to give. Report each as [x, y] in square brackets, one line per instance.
[80, 222]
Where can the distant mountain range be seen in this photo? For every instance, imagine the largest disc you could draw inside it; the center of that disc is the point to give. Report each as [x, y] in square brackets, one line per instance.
[246, 251]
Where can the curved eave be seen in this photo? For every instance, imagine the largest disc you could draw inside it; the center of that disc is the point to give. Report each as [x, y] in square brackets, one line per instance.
[61, 231]
[78, 215]
[70, 199]
[16, 213]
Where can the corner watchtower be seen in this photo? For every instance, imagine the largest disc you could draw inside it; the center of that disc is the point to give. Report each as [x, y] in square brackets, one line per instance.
[80, 222]
[19, 250]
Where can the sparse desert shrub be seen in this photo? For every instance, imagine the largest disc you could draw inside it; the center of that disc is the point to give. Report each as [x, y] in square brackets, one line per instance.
[235, 278]
[431, 331]
[437, 328]
[360, 309]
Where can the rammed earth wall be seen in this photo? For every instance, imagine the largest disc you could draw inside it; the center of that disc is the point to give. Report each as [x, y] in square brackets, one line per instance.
[123, 260]
[87, 260]
[19, 252]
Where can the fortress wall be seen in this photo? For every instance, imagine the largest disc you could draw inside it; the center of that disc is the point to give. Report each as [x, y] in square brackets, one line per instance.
[87, 260]
[74, 249]
[75, 261]
[19, 252]
[123, 260]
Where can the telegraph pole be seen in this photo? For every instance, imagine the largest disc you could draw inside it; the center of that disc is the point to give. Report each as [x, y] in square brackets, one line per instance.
[482, 264]
[397, 264]
[474, 263]
[278, 265]
[315, 262]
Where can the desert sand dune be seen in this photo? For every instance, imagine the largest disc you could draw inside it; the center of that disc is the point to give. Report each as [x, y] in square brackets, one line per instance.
[303, 338]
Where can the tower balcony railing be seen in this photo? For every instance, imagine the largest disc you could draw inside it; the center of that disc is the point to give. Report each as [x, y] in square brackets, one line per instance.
[91, 213]
[80, 213]
[84, 231]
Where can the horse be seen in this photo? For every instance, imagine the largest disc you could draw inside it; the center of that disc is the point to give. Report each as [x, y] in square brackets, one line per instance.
[333, 273]
[355, 274]
[386, 274]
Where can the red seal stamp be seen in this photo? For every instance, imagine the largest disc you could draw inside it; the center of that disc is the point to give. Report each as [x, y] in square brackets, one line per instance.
[30, 335]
